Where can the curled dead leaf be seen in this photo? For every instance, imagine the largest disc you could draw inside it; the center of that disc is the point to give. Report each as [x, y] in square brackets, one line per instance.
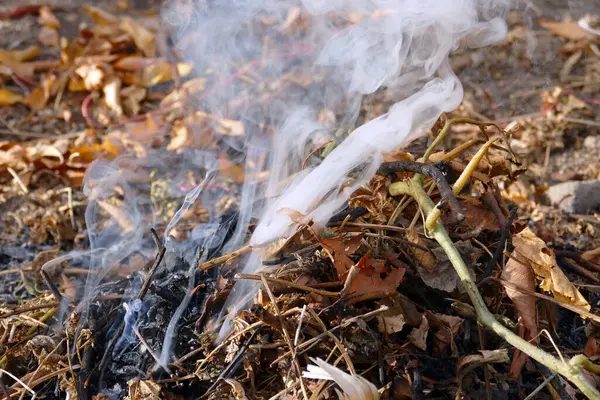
[533, 250]
[142, 37]
[418, 336]
[426, 259]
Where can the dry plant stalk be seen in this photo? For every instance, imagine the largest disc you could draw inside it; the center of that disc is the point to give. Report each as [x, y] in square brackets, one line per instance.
[572, 369]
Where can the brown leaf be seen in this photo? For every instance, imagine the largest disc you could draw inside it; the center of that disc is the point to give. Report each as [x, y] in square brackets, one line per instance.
[531, 248]
[47, 18]
[135, 63]
[100, 16]
[38, 98]
[8, 98]
[522, 276]
[426, 259]
[234, 171]
[68, 289]
[444, 276]
[20, 55]
[143, 390]
[446, 326]
[342, 247]
[132, 99]
[476, 360]
[476, 215]
[142, 37]
[418, 336]
[567, 29]
[188, 90]
[392, 320]
[373, 280]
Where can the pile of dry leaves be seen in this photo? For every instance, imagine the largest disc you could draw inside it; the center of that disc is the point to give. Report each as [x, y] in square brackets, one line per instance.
[370, 293]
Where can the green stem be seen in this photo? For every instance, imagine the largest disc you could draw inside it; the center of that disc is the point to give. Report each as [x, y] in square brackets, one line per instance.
[573, 371]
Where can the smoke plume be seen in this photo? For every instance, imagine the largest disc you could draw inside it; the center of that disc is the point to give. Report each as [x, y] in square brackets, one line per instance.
[297, 74]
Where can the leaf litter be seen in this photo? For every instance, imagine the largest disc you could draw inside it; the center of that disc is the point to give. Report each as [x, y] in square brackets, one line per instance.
[380, 292]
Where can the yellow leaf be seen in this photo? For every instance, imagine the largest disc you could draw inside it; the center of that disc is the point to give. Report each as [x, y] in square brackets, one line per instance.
[38, 98]
[20, 55]
[8, 98]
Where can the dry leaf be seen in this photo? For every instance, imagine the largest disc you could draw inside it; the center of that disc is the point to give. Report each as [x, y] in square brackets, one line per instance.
[446, 326]
[473, 361]
[231, 170]
[135, 63]
[522, 276]
[132, 99]
[117, 213]
[342, 247]
[47, 18]
[100, 16]
[392, 320]
[188, 90]
[477, 216]
[529, 247]
[93, 76]
[20, 55]
[426, 259]
[418, 336]
[143, 390]
[49, 37]
[38, 98]
[373, 280]
[112, 96]
[444, 276]
[142, 37]
[567, 29]
[8, 98]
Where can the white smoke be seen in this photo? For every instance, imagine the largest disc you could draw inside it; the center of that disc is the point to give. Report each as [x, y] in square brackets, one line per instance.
[304, 59]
